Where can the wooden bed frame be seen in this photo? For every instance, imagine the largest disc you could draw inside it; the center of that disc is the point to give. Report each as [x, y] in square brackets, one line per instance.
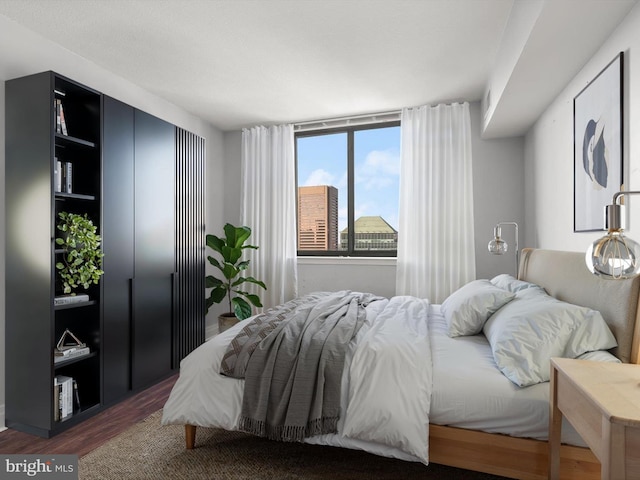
[564, 276]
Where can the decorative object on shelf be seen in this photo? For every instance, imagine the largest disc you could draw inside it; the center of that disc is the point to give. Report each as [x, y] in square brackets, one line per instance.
[498, 246]
[614, 255]
[230, 249]
[64, 344]
[69, 346]
[82, 259]
[597, 138]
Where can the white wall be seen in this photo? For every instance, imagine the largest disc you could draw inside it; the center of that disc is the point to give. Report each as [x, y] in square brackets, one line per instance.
[549, 149]
[498, 182]
[22, 52]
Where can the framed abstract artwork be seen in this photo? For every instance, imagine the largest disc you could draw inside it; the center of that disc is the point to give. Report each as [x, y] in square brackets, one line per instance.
[597, 145]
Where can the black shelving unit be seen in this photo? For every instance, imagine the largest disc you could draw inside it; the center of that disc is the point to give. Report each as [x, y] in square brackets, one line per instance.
[141, 181]
[34, 143]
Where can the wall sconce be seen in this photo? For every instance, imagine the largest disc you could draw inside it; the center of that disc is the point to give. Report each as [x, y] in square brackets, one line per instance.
[498, 246]
[614, 255]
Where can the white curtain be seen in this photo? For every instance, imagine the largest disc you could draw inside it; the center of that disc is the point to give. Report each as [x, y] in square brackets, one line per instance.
[269, 209]
[436, 236]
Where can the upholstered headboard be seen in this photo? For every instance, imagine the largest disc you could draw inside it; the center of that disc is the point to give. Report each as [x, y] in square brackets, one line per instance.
[565, 276]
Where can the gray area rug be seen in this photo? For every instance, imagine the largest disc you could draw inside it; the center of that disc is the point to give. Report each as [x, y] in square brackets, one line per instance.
[151, 451]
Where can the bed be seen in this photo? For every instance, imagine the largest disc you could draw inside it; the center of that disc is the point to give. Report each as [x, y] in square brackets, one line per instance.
[510, 442]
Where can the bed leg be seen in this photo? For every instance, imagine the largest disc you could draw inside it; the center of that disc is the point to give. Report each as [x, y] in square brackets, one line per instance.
[190, 436]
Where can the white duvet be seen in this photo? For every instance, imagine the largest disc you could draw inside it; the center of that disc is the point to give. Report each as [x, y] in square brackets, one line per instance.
[385, 402]
[401, 371]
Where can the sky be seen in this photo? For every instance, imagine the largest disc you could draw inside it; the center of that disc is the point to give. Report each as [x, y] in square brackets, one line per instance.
[322, 160]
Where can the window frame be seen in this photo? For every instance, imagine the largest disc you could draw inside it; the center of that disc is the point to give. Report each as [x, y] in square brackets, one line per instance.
[350, 131]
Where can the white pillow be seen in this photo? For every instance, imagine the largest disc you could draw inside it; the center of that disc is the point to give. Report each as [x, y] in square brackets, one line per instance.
[599, 356]
[534, 327]
[508, 282]
[466, 309]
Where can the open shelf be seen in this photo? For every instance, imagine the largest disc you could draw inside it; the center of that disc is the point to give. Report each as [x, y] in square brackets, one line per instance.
[75, 196]
[65, 140]
[70, 361]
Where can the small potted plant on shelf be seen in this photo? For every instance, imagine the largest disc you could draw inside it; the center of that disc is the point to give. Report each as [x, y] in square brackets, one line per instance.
[82, 258]
[231, 266]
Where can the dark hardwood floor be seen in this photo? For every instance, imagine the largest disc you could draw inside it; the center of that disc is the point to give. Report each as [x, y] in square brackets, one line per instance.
[90, 434]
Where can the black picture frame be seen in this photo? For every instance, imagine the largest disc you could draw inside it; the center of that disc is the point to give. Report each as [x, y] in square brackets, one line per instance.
[597, 141]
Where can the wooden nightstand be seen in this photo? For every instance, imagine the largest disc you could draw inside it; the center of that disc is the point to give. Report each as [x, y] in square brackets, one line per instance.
[602, 402]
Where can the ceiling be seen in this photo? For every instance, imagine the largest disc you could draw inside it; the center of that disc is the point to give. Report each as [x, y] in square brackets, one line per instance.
[240, 63]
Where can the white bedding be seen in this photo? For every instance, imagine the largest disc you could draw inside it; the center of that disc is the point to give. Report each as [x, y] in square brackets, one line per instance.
[395, 334]
[469, 391]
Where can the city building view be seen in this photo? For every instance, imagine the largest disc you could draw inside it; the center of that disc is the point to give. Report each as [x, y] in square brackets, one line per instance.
[318, 218]
[348, 189]
[371, 233]
[318, 224]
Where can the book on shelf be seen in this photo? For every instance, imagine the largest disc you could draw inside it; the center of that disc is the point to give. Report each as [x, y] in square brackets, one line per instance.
[68, 177]
[56, 109]
[57, 175]
[76, 397]
[57, 389]
[71, 299]
[63, 392]
[61, 124]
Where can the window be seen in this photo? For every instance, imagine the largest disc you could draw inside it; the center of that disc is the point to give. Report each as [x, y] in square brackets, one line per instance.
[348, 189]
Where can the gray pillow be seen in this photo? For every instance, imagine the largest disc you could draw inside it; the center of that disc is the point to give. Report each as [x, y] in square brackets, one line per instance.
[534, 327]
[466, 309]
[508, 282]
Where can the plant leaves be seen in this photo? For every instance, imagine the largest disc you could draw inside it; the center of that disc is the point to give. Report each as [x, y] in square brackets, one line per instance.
[218, 293]
[254, 299]
[241, 308]
[255, 282]
[82, 259]
[210, 281]
[230, 249]
[215, 243]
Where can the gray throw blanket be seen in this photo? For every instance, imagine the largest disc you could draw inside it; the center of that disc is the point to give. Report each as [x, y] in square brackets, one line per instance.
[293, 376]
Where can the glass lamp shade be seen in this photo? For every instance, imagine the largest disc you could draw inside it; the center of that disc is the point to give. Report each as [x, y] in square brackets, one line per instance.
[497, 246]
[614, 256]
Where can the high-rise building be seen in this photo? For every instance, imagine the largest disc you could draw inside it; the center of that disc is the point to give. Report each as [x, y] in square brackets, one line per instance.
[372, 233]
[318, 218]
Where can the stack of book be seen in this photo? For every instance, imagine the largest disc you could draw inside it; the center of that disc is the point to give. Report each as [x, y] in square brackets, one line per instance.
[69, 353]
[61, 124]
[62, 397]
[63, 176]
[70, 299]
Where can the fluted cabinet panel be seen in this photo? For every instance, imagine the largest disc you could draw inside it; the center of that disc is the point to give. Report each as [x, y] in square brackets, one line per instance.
[188, 325]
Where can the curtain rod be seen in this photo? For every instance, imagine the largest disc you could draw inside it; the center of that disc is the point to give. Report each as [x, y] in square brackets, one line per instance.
[350, 120]
[368, 118]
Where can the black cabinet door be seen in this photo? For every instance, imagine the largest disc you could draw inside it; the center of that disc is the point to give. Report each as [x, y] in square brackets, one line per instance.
[154, 248]
[117, 245]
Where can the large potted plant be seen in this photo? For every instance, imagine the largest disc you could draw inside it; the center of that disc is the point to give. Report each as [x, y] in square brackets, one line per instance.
[82, 258]
[231, 267]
